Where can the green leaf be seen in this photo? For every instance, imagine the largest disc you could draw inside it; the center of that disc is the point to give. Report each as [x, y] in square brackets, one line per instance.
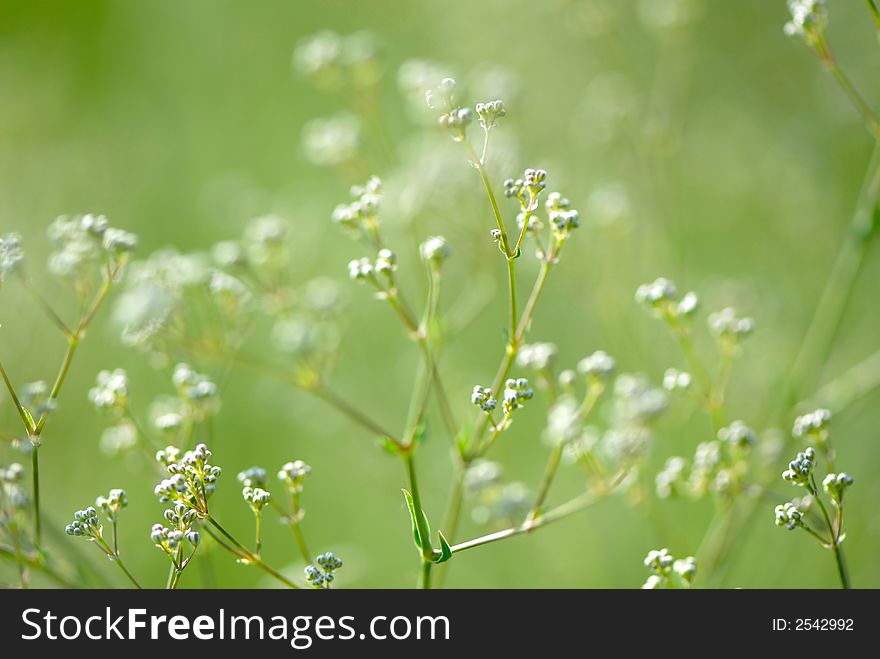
[29, 417]
[461, 443]
[445, 550]
[411, 506]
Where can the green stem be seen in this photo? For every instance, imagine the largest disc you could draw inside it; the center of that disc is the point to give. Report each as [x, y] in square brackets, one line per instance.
[858, 101]
[875, 11]
[72, 344]
[35, 466]
[567, 509]
[425, 575]
[835, 538]
[36, 562]
[297, 530]
[251, 558]
[827, 317]
[18, 406]
[549, 473]
[125, 571]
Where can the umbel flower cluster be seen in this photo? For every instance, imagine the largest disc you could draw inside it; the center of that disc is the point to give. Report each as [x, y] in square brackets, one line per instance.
[238, 304]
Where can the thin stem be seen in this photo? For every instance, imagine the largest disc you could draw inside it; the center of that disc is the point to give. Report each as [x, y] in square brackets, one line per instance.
[425, 574]
[549, 473]
[297, 530]
[571, 507]
[241, 550]
[341, 405]
[45, 306]
[36, 562]
[72, 344]
[835, 538]
[125, 571]
[15, 401]
[858, 101]
[826, 320]
[258, 541]
[35, 467]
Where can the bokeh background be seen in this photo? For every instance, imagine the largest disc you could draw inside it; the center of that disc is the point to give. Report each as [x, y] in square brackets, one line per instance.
[697, 140]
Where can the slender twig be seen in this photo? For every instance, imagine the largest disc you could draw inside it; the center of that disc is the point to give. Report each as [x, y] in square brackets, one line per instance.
[562, 511]
[243, 552]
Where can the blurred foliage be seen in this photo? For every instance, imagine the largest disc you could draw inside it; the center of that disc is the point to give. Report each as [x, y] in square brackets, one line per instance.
[699, 143]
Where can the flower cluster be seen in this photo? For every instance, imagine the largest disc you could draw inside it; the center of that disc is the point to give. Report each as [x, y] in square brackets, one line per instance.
[536, 356]
[483, 398]
[730, 328]
[489, 113]
[434, 251]
[114, 502]
[800, 470]
[360, 216]
[836, 485]
[675, 380]
[515, 392]
[598, 365]
[182, 521]
[813, 425]
[330, 59]
[11, 485]
[809, 18]
[331, 141]
[84, 243]
[789, 516]
[738, 435]
[256, 497]
[197, 390]
[253, 477]
[192, 480]
[86, 525]
[661, 297]
[293, 475]
[669, 572]
[11, 255]
[323, 575]
[111, 391]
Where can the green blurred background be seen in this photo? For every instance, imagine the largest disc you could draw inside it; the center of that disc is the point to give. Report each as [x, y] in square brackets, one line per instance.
[702, 145]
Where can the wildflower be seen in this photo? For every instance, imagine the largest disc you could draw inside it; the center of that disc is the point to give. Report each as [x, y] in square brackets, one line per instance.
[489, 113]
[726, 325]
[360, 269]
[119, 438]
[482, 397]
[636, 400]
[112, 503]
[197, 390]
[836, 485]
[322, 576]
[598, 365]
[659, 560]
[11, 254]
[386, 262]
[191, 482]
[739, 435]
[293, 474]
[257, 497]
[814, 424]
[659, 293]
[119, 242]
[111, 391]
[800, 470]
[686, 568]
[672, 479]
[563, 421]
[675, 380]
[435, 250]
[86, 525]
[809, 18]
[789, 516]
[253, 477]
[536, 356]
[515, 392]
